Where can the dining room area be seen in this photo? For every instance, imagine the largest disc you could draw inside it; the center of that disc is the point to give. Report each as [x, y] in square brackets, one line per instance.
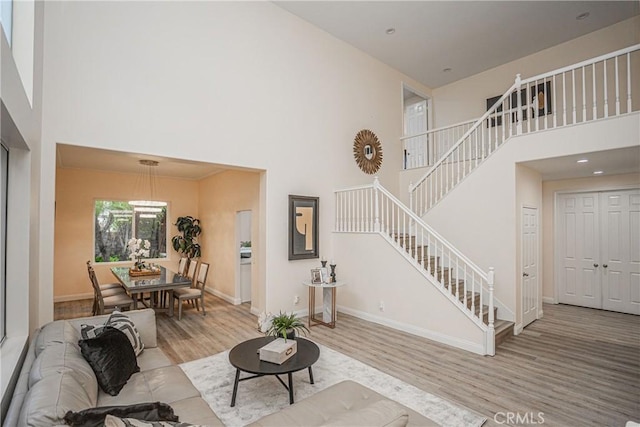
[118, 238]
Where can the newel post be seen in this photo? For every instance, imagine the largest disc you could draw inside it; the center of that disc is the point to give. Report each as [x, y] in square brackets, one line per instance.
[519, 100]
[376, 205]
[491, 333]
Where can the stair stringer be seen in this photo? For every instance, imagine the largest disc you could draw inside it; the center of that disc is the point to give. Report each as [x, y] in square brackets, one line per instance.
[418, 306]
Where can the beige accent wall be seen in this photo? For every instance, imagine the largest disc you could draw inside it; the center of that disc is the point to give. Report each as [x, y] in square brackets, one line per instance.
[222, 196]
[76, 192]
[549, 190]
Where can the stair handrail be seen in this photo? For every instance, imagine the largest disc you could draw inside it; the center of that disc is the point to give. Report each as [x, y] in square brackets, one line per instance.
[478, 123]
[371, 208]
[517, 85]
[584, 63]
[376, 185]
[440, 129]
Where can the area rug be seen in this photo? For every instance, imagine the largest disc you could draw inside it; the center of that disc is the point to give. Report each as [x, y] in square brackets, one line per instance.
[214, 376]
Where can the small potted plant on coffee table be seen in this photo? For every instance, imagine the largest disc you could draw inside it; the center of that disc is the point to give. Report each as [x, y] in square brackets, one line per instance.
[286, 326]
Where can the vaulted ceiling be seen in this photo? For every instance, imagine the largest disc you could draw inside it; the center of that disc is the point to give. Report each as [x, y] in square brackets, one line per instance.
[465, 37]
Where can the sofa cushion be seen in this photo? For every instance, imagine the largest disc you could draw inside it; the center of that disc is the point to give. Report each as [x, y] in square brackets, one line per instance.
[95, 417]
[111, 357]
[152, 358]
[65, 358]
[118, 321]
[383, 413]
[58, 332]
[51, 398]
[167, 384]
[145, 321]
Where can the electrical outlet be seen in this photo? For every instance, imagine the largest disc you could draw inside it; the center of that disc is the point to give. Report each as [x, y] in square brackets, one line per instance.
[296, 300]
[381, 306]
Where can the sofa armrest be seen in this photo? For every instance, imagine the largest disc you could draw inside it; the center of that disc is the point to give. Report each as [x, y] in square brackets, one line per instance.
[145, 321]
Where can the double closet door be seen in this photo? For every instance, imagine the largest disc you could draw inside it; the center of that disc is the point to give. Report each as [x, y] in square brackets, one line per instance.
[598, 250]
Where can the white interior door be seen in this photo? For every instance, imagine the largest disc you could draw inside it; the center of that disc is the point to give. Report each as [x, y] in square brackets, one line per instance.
[529, 265]
[599, 250]
[621, 251]
[415, 121]
[578, 281]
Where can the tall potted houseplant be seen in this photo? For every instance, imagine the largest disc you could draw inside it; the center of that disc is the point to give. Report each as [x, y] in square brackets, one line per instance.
[186, 243]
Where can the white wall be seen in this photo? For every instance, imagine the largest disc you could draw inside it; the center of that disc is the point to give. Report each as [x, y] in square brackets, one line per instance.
[236, 83]
[480, 216]
[21, 131]
[466, 99]
[376, 273]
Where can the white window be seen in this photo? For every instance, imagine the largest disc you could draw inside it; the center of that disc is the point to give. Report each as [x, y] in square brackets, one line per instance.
[6, 17]
[115, 222]
[3, 233]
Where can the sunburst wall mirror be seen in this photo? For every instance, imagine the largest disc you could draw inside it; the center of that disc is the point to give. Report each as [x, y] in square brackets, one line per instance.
[367, 151]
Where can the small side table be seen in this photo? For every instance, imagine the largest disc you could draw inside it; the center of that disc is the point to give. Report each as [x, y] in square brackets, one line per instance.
[328, 303]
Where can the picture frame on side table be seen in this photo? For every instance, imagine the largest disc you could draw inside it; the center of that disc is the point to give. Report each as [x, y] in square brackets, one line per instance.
[303, 227]
[316, 276]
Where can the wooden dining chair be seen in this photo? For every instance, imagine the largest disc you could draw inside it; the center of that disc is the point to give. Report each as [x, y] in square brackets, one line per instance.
[106, 290]
[104, 304]
[195, 293]
[182, 266]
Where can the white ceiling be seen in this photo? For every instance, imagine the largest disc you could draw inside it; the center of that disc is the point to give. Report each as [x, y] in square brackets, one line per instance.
[75, 157]
[466, 36]
[611, 162]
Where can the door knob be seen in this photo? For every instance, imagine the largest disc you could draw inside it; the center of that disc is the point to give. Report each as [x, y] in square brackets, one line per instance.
[595, 265]
[525, 274]
[605, 265]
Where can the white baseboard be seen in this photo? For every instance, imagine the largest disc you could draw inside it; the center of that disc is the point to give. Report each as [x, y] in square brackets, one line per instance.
[74, 297]
[421, 332]
[227, 298]
[517, 328]
[549, 300]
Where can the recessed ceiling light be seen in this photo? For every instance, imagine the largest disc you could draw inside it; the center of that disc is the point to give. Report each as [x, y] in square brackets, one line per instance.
[582, 161]
[446, 70]
[582, 16]
[598, 172]
[390, 31]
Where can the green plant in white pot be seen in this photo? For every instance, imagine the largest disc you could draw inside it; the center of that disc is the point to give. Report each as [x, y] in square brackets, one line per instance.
[286, 326]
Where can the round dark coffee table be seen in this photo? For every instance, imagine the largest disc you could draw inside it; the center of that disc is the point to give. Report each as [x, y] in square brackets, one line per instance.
[244, 357]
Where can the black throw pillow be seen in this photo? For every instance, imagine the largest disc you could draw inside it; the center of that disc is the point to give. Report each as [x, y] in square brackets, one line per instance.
[111, 357]
[94, 417]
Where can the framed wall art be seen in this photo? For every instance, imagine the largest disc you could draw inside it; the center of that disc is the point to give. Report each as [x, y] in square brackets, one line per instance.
[303, 227]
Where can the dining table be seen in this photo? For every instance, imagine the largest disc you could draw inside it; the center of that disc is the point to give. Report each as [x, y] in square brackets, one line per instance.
[164, 280]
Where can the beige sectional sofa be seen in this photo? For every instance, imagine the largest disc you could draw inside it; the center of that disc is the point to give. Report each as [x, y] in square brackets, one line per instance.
[55, 378]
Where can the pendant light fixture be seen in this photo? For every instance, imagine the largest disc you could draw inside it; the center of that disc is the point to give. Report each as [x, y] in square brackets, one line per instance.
[145, 188]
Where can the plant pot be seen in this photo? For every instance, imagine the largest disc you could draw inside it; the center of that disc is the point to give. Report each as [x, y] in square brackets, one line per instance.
[291, 334]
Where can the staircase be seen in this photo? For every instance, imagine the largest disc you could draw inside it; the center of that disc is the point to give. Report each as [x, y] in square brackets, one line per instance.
[373, 209]
[591, 90]
[433, 266]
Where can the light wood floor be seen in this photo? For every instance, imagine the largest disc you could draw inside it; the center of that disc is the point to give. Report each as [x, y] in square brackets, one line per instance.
[577, 366]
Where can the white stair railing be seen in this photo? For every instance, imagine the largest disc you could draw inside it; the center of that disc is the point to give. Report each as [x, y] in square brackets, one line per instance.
[590, 90]
[424, 149]
[373, 209]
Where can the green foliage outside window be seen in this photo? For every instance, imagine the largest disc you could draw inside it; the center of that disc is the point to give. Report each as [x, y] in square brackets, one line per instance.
[115, 222]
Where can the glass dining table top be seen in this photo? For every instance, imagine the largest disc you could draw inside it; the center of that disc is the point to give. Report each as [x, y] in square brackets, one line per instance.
[165, 279]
